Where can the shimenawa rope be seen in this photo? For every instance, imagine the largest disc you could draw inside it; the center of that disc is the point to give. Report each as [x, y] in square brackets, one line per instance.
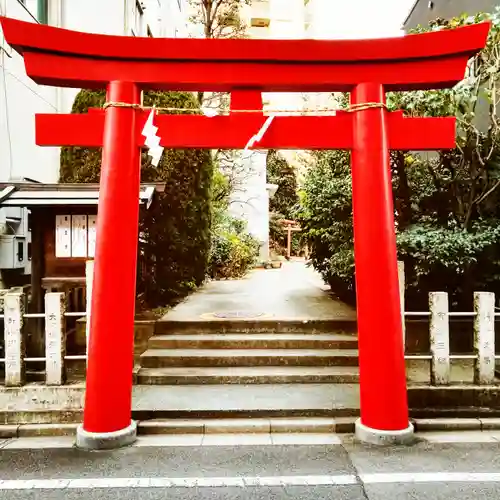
[351, 109]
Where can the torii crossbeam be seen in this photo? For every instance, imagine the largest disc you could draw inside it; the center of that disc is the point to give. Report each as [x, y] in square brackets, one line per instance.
[246, 68]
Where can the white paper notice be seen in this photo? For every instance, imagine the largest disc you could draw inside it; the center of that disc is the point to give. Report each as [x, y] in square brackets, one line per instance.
[63, 236]
[79, 236]
[92, 234]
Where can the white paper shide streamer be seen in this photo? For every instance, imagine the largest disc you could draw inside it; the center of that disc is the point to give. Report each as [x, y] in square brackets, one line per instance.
[260, 134]
[152, 140]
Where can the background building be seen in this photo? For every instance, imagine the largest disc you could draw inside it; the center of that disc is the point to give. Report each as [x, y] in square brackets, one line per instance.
[424, 11]
[21, 99]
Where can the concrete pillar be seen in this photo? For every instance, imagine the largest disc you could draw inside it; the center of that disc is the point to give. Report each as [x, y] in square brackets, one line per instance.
[14, 307]
[55, 338]
[484, 338]
[439, 338]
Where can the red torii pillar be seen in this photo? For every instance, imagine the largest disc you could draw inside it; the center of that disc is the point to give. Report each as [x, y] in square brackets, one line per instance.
[366, 68]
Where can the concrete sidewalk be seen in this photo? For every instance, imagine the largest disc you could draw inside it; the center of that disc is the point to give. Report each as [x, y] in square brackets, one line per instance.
[456, 466]
[294, 292]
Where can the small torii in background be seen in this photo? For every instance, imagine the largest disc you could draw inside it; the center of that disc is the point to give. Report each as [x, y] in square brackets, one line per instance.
[291, 225]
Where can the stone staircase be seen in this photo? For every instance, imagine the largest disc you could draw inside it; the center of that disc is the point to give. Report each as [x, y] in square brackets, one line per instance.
[242, 352]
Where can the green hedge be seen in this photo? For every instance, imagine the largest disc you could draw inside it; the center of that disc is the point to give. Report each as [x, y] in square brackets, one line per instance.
[175, 231]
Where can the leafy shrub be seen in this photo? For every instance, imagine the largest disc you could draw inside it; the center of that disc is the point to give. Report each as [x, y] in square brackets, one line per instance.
[447, 205]
[234, 250]
[326, 220]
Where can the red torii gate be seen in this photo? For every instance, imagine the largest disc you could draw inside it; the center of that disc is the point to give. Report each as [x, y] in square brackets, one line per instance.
[127, 65]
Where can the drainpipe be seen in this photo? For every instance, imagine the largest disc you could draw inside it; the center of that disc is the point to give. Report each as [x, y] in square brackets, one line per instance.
[43, 11]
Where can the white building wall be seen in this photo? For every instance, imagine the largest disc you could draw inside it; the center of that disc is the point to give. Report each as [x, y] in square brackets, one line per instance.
[20, 99]
[176, 19]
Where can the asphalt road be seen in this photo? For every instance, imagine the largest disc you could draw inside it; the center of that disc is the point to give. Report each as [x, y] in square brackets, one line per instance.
[459, 471]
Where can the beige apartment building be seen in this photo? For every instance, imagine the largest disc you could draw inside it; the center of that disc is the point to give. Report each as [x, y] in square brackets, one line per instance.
[288, 19]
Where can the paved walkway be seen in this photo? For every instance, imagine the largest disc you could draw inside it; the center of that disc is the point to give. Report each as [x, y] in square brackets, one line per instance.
[294, 292]
[203, 399]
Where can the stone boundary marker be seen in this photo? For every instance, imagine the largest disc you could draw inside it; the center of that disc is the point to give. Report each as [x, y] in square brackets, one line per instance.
[252, 426]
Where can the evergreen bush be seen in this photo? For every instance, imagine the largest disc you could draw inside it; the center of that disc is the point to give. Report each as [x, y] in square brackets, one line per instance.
[175, 233]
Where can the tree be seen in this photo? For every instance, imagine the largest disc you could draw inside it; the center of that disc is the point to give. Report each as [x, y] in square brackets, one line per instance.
[281, 173]
[447, 204]
[284, 202]
[175, 232]
[219, 18]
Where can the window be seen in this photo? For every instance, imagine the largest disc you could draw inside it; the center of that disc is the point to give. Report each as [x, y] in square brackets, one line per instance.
[43, 11]
[38, 9]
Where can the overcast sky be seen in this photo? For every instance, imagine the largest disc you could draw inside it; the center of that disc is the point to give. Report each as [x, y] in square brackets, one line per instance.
[360, 18]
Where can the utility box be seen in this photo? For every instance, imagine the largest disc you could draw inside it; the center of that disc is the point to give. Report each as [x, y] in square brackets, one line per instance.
[14, 242]
[13, 251]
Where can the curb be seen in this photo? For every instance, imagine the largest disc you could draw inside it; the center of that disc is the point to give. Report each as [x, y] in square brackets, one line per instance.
[456, 424]
[344, 425]
[341, 425]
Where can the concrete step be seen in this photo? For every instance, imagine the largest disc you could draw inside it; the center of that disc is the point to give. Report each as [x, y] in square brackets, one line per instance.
[248, 375]
[160, 358]
[254, 341]
[333, 325]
